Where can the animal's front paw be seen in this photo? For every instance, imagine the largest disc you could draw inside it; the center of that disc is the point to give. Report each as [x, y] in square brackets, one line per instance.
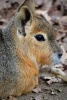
[57, 69]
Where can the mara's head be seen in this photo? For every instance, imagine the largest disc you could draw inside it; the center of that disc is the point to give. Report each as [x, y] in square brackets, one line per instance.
[35, 38]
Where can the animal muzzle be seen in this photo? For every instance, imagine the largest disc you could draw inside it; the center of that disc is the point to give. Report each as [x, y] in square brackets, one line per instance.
[56, 58]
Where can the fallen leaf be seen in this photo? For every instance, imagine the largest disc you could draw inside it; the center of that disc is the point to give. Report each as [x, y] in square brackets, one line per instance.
[53, 93]
[59, 90]
[37, 90]
[39, 97]
[51, 80]
[64, 56]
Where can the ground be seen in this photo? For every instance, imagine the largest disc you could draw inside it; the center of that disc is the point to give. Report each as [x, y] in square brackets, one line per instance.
[55, 91]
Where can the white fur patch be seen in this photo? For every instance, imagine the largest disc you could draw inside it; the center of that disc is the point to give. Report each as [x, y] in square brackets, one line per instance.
[19, 34]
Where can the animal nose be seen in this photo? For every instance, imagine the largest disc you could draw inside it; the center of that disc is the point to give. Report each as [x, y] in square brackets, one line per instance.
[59, 55]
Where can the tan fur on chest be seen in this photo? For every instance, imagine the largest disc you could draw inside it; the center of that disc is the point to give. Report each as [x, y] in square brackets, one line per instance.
[28, 74]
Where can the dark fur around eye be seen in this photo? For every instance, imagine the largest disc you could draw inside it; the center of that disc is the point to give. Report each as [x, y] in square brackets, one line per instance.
[40, 37]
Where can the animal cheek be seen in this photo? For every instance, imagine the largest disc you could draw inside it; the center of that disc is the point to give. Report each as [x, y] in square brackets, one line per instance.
[44, 58]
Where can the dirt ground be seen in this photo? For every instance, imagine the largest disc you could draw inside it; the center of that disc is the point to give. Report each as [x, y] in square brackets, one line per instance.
[55, 91]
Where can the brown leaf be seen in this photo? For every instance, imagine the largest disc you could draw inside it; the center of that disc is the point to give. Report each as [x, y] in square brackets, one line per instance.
[64, 57]
[51, 80]
[39, 97]
[53, 93]
[37, 90]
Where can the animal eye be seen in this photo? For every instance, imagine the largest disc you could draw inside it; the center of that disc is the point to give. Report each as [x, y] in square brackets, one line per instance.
[40, 37]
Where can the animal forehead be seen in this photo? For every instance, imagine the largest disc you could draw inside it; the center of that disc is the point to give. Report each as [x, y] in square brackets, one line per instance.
[41, 25]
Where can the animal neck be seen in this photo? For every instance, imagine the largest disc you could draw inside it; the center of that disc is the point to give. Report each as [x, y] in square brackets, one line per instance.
[27, 60]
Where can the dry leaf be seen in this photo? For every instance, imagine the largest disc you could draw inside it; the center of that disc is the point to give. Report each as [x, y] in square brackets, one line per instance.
[37, 90]
[53, 93]
[39, 97]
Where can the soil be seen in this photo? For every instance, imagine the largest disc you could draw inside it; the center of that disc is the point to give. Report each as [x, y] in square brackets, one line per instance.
[55, 91]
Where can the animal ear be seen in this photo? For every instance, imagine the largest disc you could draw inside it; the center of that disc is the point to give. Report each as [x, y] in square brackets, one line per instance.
[23, 18]
[30, 4]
